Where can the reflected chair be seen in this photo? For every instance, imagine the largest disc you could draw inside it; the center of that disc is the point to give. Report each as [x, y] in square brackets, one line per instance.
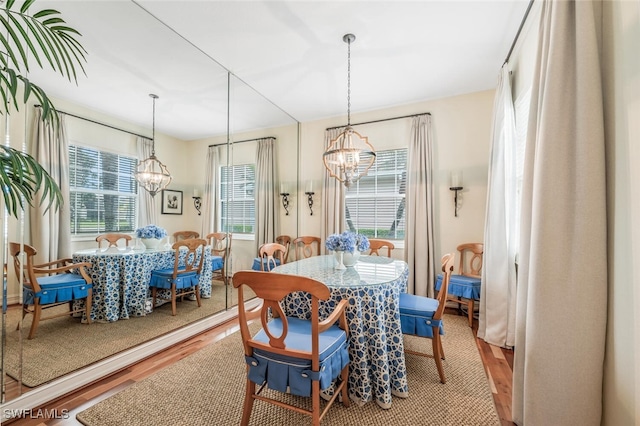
[375, 245]
[64, 282]
[306, 247]
[185, 235]
[184, 277]
[464, 287]
[112, 239]
[422, 316]
[220, 243]
[292, 355]
[271, 255]
[285, 240]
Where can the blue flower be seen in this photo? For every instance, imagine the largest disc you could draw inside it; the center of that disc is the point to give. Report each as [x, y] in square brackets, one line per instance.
[347, 241]
[151, 231]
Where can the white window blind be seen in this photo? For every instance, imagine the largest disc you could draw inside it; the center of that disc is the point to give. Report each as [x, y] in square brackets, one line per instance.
[103, 191]
[375, 205]
[238, 207]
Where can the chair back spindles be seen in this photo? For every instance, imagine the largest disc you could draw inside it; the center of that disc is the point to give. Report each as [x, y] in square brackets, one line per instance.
[376, 244]
[307, 246]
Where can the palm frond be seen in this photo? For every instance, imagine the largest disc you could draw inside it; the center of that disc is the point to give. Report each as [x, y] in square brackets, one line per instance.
[54, 40]
[22, 177]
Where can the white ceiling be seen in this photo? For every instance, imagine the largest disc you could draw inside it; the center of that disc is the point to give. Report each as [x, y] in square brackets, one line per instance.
[290, 52]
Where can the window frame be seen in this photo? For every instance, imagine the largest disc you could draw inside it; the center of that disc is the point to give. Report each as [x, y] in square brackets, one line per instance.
[96, 168]
[230, 198]
[399, 195]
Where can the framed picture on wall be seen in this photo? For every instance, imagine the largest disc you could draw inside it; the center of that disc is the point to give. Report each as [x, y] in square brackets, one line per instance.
[171, 201]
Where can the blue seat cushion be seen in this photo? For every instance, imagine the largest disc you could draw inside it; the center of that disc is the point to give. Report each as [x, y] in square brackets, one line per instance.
[216, 263]
[162, 278]
[462, 286]
[256, 264]
[57, 288]
[285, 372]
[416, 315]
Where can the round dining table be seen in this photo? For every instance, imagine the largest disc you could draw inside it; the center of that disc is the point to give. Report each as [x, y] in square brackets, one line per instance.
[372, 286]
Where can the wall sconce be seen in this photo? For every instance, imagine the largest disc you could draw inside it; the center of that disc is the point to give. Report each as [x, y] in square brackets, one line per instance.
[197, 201]
[285, 198]
[455, 187]
[309, 192]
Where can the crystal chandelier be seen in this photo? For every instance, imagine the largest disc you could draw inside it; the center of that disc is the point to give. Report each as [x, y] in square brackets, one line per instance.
[151, 174]
[350, 155]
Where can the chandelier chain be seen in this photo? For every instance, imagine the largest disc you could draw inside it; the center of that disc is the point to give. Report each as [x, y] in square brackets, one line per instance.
[349, 82]
[153, 125]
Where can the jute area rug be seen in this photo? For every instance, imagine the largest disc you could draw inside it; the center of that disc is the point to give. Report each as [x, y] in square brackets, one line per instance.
[207, 388]
[62, 345]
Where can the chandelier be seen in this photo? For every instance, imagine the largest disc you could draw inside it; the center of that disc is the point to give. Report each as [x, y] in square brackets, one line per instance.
[350, 155]
[151, 174]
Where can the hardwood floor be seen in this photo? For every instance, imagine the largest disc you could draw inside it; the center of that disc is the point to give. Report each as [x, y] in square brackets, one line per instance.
[498, 364]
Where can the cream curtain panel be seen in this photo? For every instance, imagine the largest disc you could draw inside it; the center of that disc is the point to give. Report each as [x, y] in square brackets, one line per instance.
[333, 197]
[498, 292]
[562, 275]
[419, 237]
[147, 213]
[51, 230]
[211, 192]
[266, 193]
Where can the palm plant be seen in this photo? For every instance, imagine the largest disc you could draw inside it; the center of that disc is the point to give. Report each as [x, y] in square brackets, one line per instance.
[43, 37]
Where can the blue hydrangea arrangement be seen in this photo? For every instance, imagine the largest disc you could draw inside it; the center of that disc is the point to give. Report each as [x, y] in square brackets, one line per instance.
[347, 241]
[151, 231]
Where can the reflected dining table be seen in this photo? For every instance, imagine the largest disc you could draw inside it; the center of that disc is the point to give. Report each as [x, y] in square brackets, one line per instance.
[372, 286]
[121, 278]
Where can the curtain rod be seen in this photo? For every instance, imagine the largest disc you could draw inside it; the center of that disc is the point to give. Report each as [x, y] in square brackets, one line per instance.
[378, 121]
[246, 140]
[513, 45]
[99, 123]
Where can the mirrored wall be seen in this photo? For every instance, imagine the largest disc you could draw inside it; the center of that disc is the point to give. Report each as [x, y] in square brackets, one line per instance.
[236, 118]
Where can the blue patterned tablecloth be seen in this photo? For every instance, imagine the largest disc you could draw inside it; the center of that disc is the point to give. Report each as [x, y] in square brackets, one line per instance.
[121, 279]
[373, 286]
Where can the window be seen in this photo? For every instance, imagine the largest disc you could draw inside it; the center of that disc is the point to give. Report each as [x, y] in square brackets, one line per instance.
[375, 205]
[237, 199]
[103, 191]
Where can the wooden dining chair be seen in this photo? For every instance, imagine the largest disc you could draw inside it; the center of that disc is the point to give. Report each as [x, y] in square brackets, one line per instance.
[376, 244]
[307, 246]
[422, 316]
[112, 239]
[51, 284]
[185, 235]
[285, 240]
[464, 286]
[184, 276]
[271, 255]
[301, 357]
[220, 243]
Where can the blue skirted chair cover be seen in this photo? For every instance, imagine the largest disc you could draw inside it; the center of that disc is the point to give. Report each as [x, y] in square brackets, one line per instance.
[288, 354]
[422, 316]
[184, 278]
[282, 372]
[464, 287]
[416, 315]
[51, 284]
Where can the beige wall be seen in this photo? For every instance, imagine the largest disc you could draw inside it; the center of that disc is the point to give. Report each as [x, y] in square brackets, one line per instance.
[621, 60]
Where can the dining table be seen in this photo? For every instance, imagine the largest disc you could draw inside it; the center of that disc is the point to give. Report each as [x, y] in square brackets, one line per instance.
[121, 278]
[377, 369]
